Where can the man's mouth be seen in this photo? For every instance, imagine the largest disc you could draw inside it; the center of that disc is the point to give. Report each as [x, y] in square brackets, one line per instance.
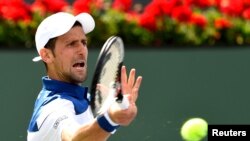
[79, 65]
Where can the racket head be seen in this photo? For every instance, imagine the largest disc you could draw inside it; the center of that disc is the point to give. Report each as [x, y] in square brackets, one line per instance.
[107, 73]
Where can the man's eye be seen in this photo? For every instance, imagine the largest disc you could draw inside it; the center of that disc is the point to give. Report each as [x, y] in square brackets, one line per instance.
[84, 43]
[72, 44]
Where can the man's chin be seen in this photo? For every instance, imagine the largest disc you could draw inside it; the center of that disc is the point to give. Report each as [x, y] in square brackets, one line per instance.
[79, 80]
[78, 77]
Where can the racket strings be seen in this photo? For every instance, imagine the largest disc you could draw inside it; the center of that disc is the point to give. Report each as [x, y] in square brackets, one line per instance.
[109, 69]
[109, 76]
[110, 72]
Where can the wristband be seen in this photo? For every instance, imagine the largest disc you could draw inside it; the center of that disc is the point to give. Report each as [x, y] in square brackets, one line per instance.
[106, 115]
[106, 123]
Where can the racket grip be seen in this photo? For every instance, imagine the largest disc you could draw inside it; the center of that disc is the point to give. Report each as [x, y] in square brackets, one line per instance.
[124, 103]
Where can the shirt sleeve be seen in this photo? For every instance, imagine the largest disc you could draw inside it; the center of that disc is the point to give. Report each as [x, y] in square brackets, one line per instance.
[53, 123]
[56, 122]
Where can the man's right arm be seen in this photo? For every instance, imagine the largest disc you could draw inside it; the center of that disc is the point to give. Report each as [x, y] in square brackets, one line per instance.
[96, 129]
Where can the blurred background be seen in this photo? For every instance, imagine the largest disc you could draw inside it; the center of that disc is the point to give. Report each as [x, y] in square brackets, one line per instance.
[193, 56]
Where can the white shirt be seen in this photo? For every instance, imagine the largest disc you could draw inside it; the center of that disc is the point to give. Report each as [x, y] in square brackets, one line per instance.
[59, 106]
[52, 121]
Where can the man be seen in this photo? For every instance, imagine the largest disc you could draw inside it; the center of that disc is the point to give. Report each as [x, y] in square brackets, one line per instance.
[62, 111]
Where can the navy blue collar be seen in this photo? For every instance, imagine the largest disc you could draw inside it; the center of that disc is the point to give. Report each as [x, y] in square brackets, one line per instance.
[73, 90]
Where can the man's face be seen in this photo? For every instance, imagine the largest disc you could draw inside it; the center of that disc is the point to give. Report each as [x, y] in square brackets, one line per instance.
[70, 57]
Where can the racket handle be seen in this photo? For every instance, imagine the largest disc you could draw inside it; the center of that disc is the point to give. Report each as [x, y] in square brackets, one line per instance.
[124, 103]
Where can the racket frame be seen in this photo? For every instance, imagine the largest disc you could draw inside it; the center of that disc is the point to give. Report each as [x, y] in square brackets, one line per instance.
[98, 69]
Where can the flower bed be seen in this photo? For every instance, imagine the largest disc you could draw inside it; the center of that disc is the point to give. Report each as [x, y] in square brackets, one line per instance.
[159, 23]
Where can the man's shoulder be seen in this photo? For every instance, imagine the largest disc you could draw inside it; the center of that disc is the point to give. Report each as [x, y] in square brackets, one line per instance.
[54, 106]
[80, 105]
[57, 104]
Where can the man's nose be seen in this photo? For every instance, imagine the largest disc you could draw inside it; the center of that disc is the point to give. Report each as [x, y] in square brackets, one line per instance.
[82, 48]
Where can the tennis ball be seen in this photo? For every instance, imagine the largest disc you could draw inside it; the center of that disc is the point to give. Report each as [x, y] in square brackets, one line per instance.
[194, 129]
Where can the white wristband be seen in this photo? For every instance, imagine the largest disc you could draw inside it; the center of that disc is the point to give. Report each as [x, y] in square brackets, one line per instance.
[106, 123]
[106, 115]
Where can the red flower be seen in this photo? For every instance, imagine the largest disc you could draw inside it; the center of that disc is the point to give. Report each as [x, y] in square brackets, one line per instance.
[182, 13]
[246, 14]
[204, 3]
[160, 8]
[246, 3]
[15, 10]
[80, 6]
[148, 21]
[2, 4]
[231, 7]
[222, 23]
[198, 20]
[153, 8]
[49, 5]
[38, 6]
[123, 5]
[152, 12]
[167, 6]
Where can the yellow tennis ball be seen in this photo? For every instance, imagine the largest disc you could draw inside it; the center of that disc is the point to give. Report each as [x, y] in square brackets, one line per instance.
[194, 129]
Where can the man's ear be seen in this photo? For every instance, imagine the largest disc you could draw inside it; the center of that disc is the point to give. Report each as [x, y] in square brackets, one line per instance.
[46, 55]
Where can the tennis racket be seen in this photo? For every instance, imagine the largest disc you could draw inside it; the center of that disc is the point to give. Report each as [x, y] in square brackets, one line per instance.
[105, 87]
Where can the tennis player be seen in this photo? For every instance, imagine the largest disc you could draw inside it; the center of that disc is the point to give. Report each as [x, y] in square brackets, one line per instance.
[62, 111]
